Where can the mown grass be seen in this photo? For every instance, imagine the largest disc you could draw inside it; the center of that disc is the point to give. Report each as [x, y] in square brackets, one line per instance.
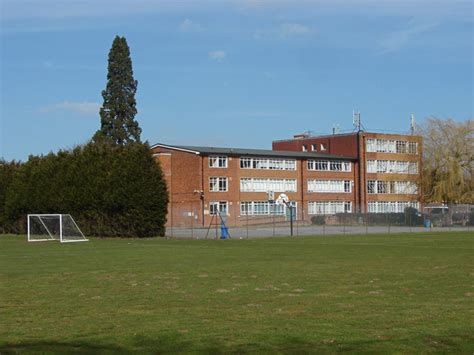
[378, 293]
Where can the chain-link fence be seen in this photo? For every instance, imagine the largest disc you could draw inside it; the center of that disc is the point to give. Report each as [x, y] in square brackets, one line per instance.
[234, 219]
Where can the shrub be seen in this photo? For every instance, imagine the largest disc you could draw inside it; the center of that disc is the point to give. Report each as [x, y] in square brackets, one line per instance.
[110, 190]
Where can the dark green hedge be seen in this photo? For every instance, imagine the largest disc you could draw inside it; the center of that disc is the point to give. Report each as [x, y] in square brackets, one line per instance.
[110, 190]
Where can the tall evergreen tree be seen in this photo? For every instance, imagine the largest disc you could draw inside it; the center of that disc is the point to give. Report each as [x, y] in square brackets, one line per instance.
[117, 114]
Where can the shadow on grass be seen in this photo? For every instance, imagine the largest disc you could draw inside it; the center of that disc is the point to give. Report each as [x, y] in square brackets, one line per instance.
[286, 345]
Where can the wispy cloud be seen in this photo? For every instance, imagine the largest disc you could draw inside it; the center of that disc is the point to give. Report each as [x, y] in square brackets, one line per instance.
[190, 26]
[83, 108]
[217, 55]
[284, 31]
[396, 40]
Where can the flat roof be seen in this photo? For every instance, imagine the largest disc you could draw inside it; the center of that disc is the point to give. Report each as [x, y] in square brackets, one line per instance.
[251, 152]
[302, 138]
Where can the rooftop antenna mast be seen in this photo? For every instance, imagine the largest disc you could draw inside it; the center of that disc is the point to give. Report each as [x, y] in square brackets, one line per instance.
[412, 124]
[335, 128]
[356, 122]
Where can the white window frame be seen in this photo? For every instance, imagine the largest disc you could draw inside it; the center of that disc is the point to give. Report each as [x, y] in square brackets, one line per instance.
[218, 184]
[329, 165]
[219, 206]
[267, 163]
[218, 161]
[330, 186]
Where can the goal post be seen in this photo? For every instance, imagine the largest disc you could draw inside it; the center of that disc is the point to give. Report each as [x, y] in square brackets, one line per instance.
[47, 227]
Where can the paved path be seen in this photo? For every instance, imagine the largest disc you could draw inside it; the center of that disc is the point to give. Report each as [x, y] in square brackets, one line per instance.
[281, 231]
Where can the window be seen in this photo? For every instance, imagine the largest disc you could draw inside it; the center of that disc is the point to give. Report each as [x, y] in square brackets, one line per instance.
[371, 186]
[331, 165]
[261, 208]
[412, 147]
[392, 167]
[304, 148]
[382, 166]
[313, 147]
[218, 184]
[322, 147]
[267, 164]
[347, 186]
[401, 147]
[329, 207]
[246, 163]
[391, 146]
[381, 187]
[392, 187]
[391, 206]
[266, 184]
[218, 207]
[371, 166]
[217, 161]
[371, 145]
[329, 185]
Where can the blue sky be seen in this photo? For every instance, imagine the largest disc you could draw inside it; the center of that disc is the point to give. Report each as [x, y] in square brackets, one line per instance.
[232, 73]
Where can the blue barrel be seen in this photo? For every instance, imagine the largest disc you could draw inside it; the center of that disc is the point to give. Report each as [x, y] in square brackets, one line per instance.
[427, 223]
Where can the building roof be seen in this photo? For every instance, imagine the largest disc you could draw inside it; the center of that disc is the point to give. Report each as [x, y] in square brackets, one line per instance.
[251, 152]
[302, 137]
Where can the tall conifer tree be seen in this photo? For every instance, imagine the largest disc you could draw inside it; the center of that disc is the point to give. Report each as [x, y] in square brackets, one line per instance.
[117, 114]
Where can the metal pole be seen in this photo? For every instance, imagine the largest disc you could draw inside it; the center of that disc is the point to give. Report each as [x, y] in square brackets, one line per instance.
[273, 218]
[291, 220]
[366, 222]
[247, 219]
[192, 221]
[28, 222]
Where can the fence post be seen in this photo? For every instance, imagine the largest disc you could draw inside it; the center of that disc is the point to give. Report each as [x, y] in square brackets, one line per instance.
[388, 222]
[273, 218]
[192, 221]
[366, 222]
[344, 223]
[247, 219]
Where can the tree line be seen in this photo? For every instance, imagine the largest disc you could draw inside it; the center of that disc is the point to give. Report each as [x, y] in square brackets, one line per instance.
[112, 185]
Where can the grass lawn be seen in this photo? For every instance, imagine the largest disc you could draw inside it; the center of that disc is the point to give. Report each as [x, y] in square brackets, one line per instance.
[377, 293]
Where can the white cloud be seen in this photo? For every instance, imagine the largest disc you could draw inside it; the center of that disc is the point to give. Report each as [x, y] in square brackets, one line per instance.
[396, 40]
[190, 26]
[284, 31]
[83, 108]
[217, 55]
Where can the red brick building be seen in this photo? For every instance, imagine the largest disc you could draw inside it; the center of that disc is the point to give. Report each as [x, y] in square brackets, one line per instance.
[206, 181]
[388, 165]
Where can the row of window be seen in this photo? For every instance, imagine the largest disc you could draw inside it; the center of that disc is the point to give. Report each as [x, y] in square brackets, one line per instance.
[330, 185]
[391, 146]
[267, 164]
[220, 184]
[329, 207]
[329, 165]
[314, 147]
[260, 208]
[280, 164]
[392, 187]
[391, 206]
[264, 185]
[392, 166]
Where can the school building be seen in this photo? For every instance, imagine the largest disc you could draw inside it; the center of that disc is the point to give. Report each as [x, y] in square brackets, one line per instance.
[323, 175]
[389, 166]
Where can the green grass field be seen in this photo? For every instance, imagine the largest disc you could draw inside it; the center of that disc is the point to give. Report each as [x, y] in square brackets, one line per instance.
[376, 293]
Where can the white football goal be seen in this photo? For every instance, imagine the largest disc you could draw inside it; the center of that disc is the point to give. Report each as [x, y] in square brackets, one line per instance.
[61, 227]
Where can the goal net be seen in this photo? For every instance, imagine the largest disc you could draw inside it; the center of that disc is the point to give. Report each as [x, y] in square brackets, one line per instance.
[61, 227]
